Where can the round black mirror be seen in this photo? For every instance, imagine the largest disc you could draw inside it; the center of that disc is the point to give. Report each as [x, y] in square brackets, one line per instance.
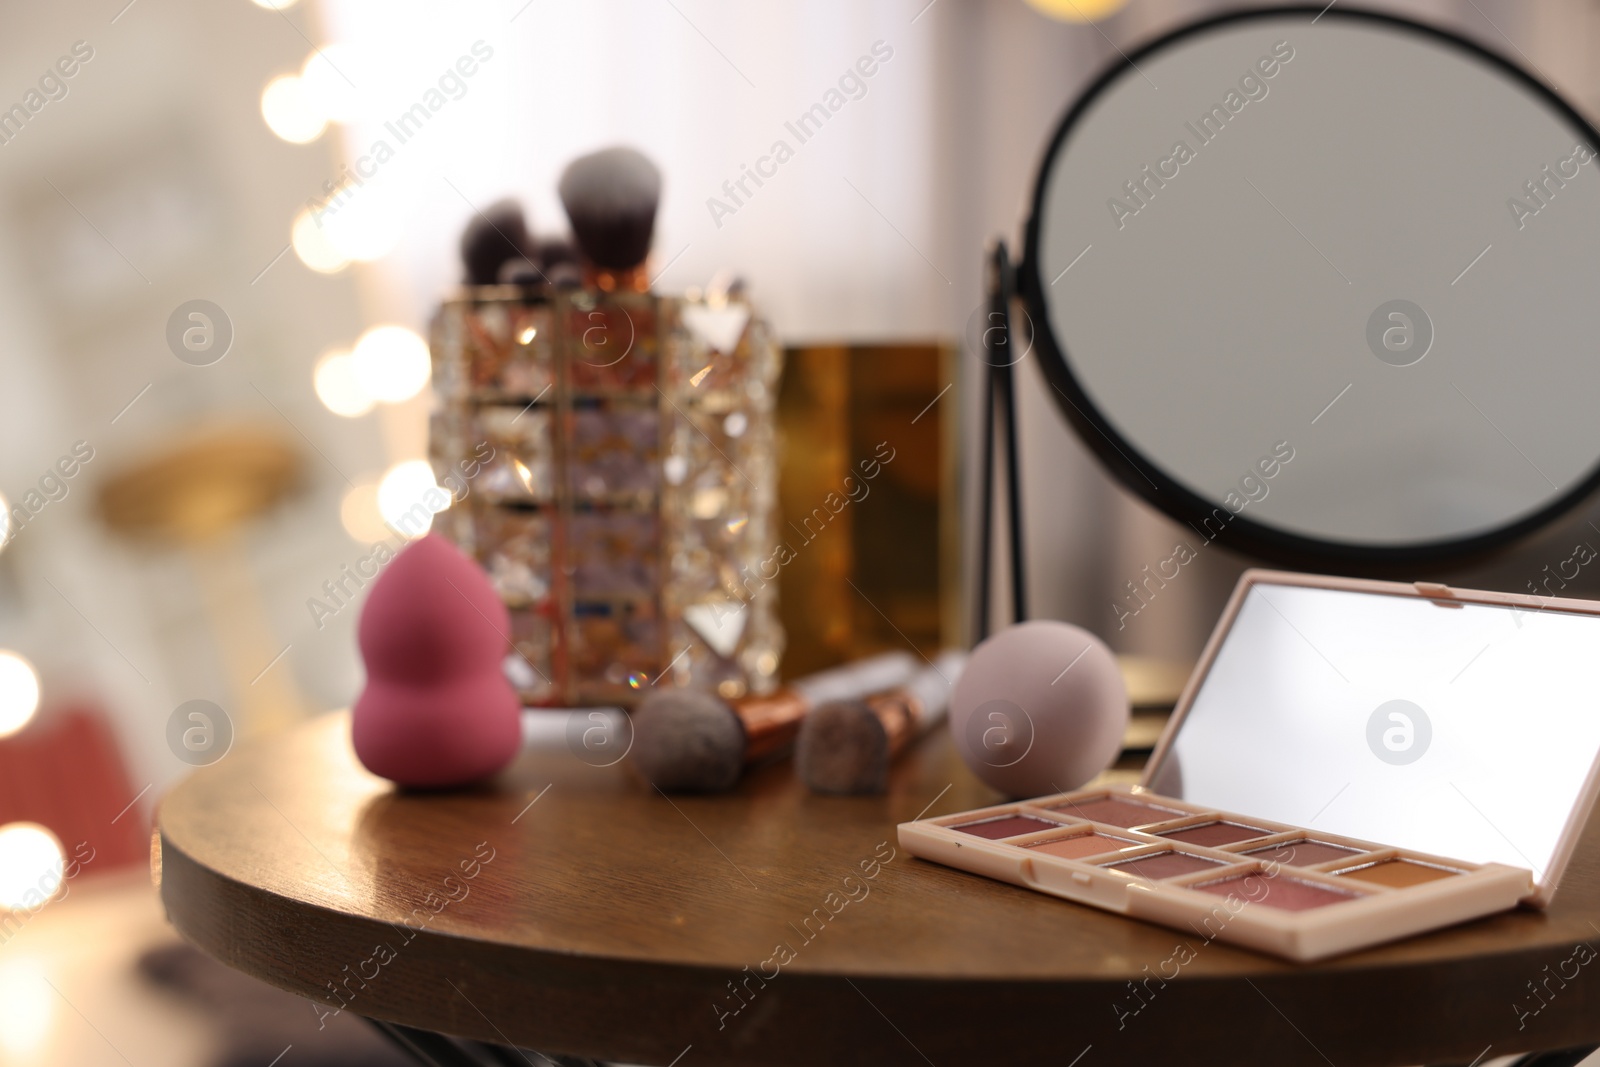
[1320, 283]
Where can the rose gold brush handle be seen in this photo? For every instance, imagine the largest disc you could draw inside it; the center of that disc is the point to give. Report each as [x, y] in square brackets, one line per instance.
[772, 722]
[918, 706]
[900, 714]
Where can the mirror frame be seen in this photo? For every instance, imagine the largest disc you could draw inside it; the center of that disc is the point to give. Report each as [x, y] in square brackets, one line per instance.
[1142, 476]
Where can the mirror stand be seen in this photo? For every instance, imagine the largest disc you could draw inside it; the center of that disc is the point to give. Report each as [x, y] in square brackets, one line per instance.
[999, 389]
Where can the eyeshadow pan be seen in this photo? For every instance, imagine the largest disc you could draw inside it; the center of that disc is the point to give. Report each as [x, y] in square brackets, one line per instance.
[1005, 826]
[1304, 852]
[1164, 865]
[1118, 811]
[1290, 894]
[1090, 844]
[1216, 833]
[1398, 874]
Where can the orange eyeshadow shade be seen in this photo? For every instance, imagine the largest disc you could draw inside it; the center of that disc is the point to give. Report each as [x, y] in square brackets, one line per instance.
[1398, 873]
[1083, 845]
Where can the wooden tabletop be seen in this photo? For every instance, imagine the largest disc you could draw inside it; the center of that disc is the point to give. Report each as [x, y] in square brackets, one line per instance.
[574, 909]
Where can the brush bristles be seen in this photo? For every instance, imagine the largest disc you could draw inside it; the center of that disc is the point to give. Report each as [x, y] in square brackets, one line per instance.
[492, 238]
[520, 272]
[559, 261]
[611, 198]
[556, 251]
[684, 741]
[843, 749]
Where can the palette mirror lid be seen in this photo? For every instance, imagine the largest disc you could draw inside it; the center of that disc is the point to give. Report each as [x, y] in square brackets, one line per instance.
[1453, 722]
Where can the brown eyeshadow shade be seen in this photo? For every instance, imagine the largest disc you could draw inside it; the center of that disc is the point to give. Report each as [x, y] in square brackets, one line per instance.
[1215, 833]
[1290, 894]
[1083, 845]
[1398, 874]
[1303, 853]
[1164, 865]
[1005, 826]
[1117, 811]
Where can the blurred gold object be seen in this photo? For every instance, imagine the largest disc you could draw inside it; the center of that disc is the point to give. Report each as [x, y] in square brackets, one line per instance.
[866, 491]
[197, 494]
[1152, 682]
[1154, 686]
[1145, 727]
[201, 487]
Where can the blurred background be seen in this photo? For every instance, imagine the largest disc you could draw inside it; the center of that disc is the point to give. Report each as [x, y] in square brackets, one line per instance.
[211, 400]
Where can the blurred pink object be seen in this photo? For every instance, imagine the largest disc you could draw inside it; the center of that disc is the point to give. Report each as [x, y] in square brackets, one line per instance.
[66, 772]
[437, 711]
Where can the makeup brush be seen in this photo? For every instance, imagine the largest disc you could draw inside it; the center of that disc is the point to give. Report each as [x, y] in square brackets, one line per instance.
[611, 198]
[560, 263]
[846, 746]
[692, 741]
[520, 271]
[554, 251]
[495, 235]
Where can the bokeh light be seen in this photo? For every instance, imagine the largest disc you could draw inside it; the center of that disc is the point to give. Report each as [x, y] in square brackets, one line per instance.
[332, 76]
[391, 363]
[1077, 10]
[31, 865]
[338, 386]
[402, 497]
[27, 1009]
[313, 247]
[290, 110]
[19, 693]
[359, 514]
[364, 226]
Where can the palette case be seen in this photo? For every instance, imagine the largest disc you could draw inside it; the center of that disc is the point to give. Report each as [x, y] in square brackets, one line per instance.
[1228, 892]
[1294, 892]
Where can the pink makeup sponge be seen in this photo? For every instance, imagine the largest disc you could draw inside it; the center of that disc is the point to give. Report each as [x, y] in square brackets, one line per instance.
[436, 711]
[1041, 708]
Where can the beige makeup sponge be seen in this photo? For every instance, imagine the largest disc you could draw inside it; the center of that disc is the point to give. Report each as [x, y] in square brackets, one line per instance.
[1041, 708]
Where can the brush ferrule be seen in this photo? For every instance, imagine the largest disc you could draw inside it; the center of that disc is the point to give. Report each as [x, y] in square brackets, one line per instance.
[770, 722]
[632, 280]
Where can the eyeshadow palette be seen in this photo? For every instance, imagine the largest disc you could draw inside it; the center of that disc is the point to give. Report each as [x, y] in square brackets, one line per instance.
[1289, 891]
[1406, 722]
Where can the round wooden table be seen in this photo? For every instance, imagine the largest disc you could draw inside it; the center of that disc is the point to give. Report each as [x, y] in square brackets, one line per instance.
[574, 909]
